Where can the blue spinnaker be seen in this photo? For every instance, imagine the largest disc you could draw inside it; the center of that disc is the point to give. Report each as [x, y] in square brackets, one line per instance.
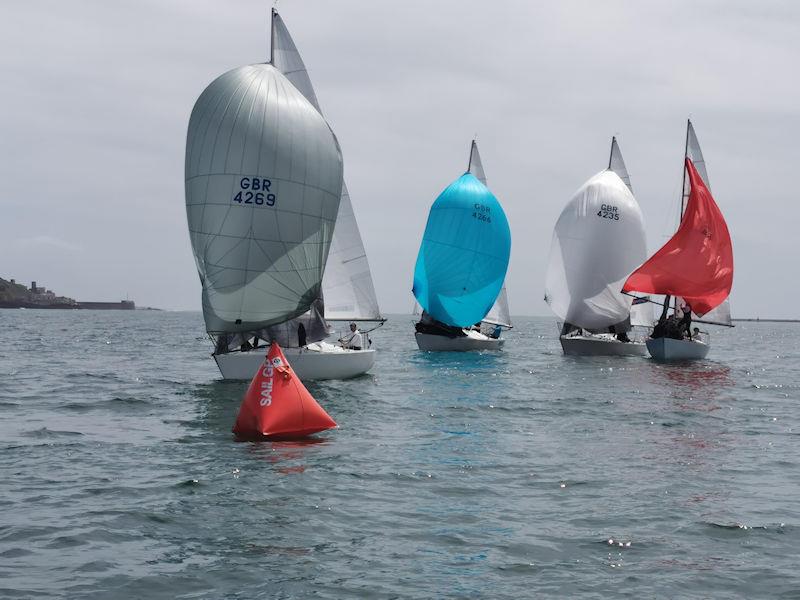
[463, 258]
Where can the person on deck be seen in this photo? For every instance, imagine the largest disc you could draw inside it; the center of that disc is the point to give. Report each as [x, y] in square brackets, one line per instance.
[672, 327]
[686, 321]
[353, 340]
[660, 330]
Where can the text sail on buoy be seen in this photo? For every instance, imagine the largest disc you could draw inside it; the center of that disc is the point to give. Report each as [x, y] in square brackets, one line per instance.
[278, 405]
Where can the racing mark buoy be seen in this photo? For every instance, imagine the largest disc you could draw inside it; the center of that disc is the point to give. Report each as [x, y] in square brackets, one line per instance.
[278, 405]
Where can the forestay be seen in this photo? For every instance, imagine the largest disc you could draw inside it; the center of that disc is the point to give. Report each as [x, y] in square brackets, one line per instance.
[598, 240]
[347, 284]
[499, 313]
[263, 182]
[464, 254]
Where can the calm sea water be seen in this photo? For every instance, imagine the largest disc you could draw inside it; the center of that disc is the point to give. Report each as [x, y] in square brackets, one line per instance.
[452, 476]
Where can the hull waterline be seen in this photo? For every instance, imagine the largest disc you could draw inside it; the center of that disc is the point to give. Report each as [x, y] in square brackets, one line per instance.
[308, 364]
[600, 346]
[440, 343]
[668, 349]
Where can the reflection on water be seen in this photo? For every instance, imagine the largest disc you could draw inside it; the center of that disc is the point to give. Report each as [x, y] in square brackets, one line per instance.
[467, 361]
[701, 379]
[279, 453]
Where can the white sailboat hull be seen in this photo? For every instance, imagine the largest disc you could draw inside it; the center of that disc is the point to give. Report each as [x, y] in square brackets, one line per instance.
[308, 364]
[440, 343]
[667, 349]
[600, 345]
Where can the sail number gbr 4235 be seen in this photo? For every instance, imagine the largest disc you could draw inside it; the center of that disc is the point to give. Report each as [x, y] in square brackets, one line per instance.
[608, 211]
[254, 190]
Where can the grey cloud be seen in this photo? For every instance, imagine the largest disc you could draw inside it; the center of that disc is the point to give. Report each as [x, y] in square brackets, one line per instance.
[99, 94]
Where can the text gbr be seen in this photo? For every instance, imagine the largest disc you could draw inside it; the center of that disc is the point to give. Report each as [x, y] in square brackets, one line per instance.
[608, 211]
[255, 190]
[481, 212]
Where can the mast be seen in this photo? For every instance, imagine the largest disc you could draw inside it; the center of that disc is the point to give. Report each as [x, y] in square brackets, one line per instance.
[471, 152]
[683, 181]
[683, 205]
[611, 152]
[273, 12]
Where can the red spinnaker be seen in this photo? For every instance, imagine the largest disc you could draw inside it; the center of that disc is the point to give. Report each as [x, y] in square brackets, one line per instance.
[697, 262]
[278, 405]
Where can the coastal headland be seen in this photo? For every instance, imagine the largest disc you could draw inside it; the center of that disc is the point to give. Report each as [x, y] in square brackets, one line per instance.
[17, 295]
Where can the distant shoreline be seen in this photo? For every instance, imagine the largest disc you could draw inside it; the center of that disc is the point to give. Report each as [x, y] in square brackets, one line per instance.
[757, 320]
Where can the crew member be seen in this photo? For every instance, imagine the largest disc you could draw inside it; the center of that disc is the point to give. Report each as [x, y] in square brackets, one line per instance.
[352, 340]
[686, 321]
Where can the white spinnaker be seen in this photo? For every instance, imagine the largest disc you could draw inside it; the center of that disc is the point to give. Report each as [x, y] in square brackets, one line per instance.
[260, 253]
[617, 164]
[498, 314]
[598, 240]
[642, 314]
[347, 286]
[721, 315]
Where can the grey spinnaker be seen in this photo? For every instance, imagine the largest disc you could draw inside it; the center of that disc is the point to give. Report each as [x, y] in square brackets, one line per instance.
[347, 286]
[263, 182]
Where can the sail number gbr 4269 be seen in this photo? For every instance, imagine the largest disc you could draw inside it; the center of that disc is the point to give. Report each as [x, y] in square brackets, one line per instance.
[254, 190]
[608, 211]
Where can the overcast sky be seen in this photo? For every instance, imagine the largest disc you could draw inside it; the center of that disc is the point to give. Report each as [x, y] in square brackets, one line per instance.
[96, 96]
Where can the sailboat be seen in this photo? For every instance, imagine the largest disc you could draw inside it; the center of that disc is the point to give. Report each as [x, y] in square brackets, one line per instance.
[695, 267]
[266, 251]
[598, 240]
[461, 267]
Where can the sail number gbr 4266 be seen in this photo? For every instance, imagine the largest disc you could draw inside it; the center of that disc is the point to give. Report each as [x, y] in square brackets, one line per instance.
[254, 190]
[608, 211]
[481, 212]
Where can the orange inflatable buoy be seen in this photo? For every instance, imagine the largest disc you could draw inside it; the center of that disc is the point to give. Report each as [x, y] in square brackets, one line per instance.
[278, 405]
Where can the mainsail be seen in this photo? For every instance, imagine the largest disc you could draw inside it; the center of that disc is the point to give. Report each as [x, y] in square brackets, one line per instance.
[697, 262]
[347, 286]
[641, 309]
[263, 182]
[498, 314]
[617, 164]
[463, 258]
[598, 240]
